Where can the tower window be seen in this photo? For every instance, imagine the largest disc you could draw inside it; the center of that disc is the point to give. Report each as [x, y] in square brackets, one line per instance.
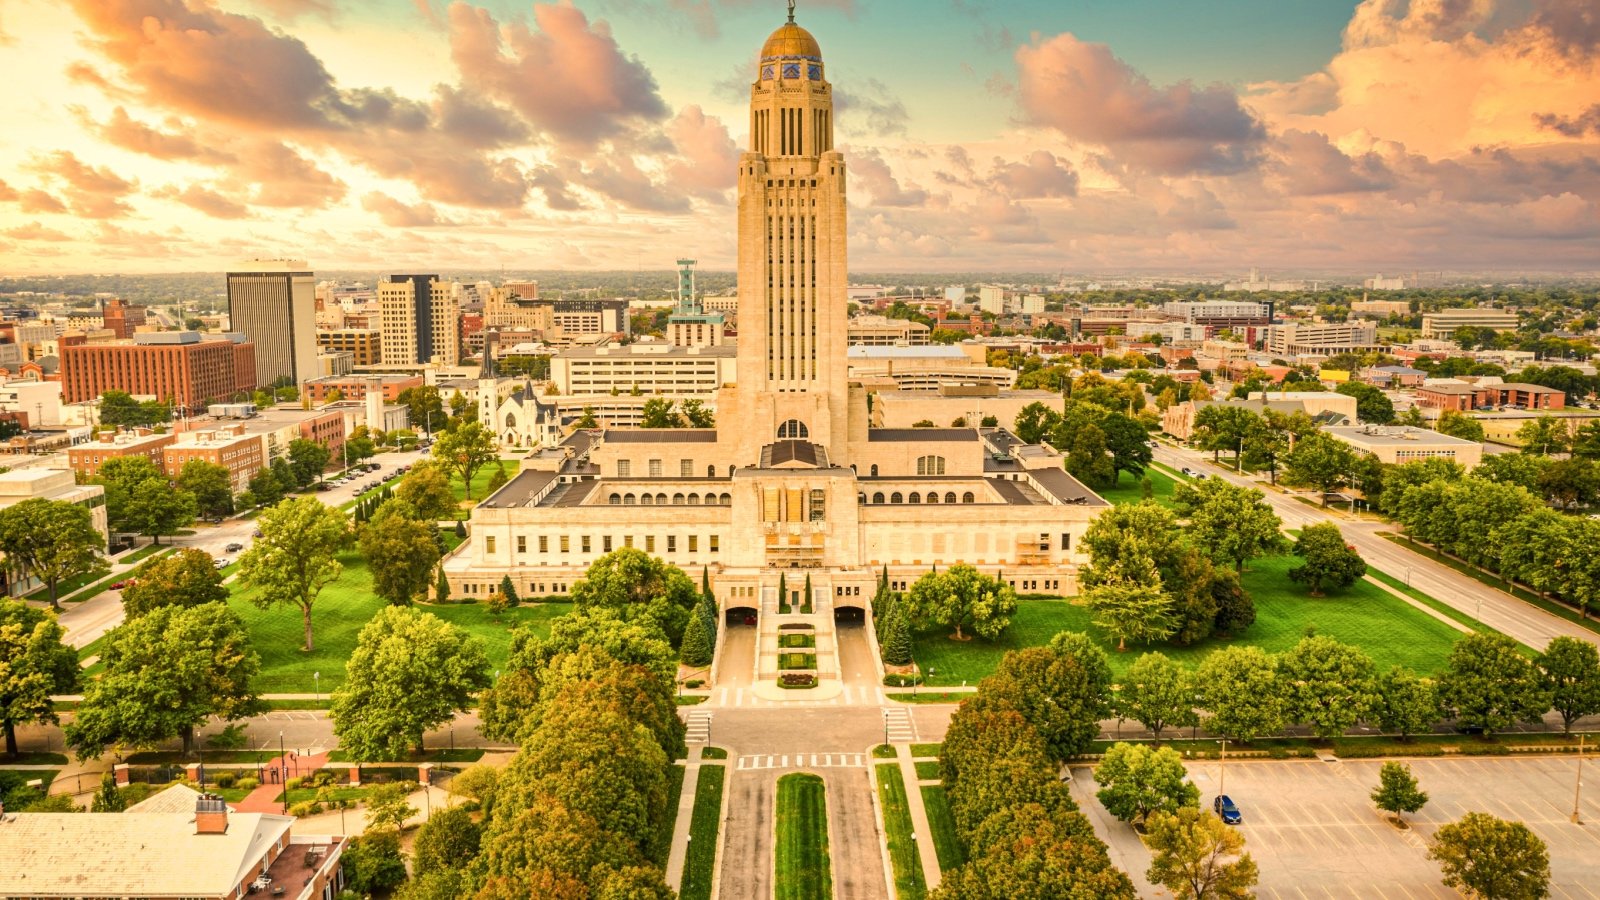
[793, 430]
[930, 465]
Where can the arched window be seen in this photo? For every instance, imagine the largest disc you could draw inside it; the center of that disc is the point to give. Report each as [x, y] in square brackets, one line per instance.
[861, 497]
[968, 498]
[877, 497]
[793, 430]
[628, 500]
[646, 500]
[677, 499]
[511, 420]
[661, 499]
[711, 471]
[694, 499]
[916, 497]
[930, 465]
[950, 497]
[896, 498]
[725, 500]
[933, 496]
[616, 499]
[874, 470]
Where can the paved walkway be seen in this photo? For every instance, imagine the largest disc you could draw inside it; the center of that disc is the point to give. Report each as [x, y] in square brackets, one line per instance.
[685, 815]
[264, 798]
[919, 817]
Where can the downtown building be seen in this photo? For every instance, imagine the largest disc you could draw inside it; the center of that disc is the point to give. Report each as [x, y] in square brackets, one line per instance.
[185, 368]
[419, 321]
[273, 303]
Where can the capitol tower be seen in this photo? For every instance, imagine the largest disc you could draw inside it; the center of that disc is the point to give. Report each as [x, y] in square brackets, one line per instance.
[792, 259]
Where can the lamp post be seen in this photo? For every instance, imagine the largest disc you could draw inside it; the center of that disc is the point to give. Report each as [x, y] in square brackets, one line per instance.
[316, 681]
[283, 773]
[1222, 770]
[1577, 786]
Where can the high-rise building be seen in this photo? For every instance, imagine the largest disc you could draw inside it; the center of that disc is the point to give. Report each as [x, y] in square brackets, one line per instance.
[273, 301]
[419, 320]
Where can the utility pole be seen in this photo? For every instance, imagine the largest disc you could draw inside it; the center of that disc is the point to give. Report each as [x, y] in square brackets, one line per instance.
[1577, 786]
[1222, 770]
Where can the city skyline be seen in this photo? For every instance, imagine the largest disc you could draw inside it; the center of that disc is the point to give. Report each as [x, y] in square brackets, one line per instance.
[1152, 136]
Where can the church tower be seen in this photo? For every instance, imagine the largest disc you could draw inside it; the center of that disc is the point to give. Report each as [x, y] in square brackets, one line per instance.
[792, 261]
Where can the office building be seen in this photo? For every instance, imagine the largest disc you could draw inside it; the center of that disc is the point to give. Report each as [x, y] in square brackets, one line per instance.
[365, 343]
[273, 303]
[1442, 325]
[1327, 339]
[420, 320]
[176, 366]
[121, 319]
[1395, 444]
[228, 445]
[690, 324]
[655, 368]
[86, 459]
[882, 331]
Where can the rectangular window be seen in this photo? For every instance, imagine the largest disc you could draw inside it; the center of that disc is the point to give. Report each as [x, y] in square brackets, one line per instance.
[655, 468]
[694, 543]
[685, 468]
[818, 506]
[566, 544]
[627, 540]
[711, 543]
[605, 544]
[1066, 541]
[585, 543]
[1044, 542]
[522, 543]
[544, 543]
[624, 468]
[488, 543]
[650, 543]
[672, 543]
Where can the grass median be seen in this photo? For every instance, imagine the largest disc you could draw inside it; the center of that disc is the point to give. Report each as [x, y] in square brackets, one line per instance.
[909, 882]
[803, 870]
[700, 861]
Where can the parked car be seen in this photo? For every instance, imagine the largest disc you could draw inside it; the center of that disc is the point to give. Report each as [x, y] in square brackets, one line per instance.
[118, 585]
[256, 533]
[1188, 471]
[234, 547]
[221, 562]
[1225, 809]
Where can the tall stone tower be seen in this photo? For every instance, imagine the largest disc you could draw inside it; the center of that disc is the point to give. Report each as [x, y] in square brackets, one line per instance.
[792, 262]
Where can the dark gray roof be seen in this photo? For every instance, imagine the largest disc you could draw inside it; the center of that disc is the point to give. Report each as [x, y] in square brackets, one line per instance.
[662, 435]
[520, 490]
[789, 451]
[1065, 488]
[915, 435]
[581, 442]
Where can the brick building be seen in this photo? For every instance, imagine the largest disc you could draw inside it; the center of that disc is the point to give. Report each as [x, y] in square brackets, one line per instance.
[86, 459]
[365, 343]
[177, 366]
[243, 454]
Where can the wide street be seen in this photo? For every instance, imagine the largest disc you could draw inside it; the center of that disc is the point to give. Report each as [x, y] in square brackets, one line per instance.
[1495, 608]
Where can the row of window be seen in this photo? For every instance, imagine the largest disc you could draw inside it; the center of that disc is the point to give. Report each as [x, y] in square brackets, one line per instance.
[655, 468]
[1026, 585]
[630, 499]
[917, 497]
[586, 543]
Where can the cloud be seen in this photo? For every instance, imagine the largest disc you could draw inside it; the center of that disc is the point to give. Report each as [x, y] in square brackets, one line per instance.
[33, 231]
[93, 192]
[618, 176]
[396, 214]
[569, 78]
[1572, 126]
[130, 134]
[8, 193]
[1087, 94]
[1307, 164]
[1571, 26]
[37, 201]
[206, 200]
[866, 106]
[873, 174]
[707, 163]
[1041, 175]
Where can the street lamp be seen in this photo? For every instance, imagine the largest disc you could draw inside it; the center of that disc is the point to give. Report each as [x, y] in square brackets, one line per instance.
[316, 681]
[1222, 770]
[1577, 787]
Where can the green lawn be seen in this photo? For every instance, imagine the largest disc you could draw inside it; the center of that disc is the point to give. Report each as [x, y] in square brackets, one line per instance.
[1392, 631]
[480, 483]
[945, 844]
[927, 769]
[337, 616]
[802, 870]
[909, 883]
[797, 661]
[797, 640]
[1128, 489]
[661, 841]
[335, 792]
[700, 861]
[926, 751]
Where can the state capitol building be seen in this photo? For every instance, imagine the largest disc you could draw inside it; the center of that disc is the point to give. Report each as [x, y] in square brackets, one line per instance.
[793, 480]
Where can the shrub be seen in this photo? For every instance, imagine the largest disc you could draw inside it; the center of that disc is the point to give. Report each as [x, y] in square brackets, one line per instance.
[225, 779]
[694, 683]
[893, 680]
[797, 680]
[295, 784]
[247, 784]
[307, 808]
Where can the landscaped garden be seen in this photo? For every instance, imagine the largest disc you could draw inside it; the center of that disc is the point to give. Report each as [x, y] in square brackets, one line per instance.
[803, 871]
[797, 661]
[1392, 631]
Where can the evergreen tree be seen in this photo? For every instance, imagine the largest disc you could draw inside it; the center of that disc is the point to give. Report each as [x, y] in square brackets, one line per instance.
[805, 598]
[108, 799]
[509, 589]
[897, 649]
[441, 590]
[696, 649]
[461, 529]
[783, 594]
[881, 623]
[706, 610]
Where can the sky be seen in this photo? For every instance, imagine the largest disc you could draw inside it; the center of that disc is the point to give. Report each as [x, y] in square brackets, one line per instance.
[1079, 136]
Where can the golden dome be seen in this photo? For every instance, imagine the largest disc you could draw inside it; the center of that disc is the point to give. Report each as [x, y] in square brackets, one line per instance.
[791, 40]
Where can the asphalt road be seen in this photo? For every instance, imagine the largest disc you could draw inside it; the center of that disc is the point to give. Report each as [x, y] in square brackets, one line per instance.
[1495, 608]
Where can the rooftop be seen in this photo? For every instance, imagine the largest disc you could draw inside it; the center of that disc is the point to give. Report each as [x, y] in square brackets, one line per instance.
[928, 435]
[1394, 435]
[662, 435]
[649, 350]
[923, 351]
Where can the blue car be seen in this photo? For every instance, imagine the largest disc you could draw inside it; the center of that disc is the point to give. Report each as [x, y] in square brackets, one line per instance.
[1225, 809]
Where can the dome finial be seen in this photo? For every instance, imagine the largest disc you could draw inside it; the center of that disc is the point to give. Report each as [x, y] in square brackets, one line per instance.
[791, 11]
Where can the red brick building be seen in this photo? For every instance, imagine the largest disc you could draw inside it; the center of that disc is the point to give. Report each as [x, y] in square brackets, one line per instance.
[175, 366]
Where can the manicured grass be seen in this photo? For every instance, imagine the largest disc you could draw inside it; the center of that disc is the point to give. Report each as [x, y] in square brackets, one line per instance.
[927, 769]
[803, 871]
[1386, 627]
[909, 883]
[141, 554]
[661, 841]
[692, 699]
[436, 755]
[451, 539]
[883, 751]
[1560, 610]
[33, 759]
[797, 661]
[1429, 601]
[212, 757]
[931, 697]
[700, 861]
[1128, 489]
[308, 703]
[337, 616]
[797, 640]
[943, 825]
[1375, 746]
[926, 751]
[345, 792]
[480, 483]
[713, 753]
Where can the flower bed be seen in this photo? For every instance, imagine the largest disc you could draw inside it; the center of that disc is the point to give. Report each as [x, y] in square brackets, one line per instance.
[797, 680]
[797, 661]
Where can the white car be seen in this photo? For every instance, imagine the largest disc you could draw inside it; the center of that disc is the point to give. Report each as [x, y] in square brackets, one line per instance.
[222, 562]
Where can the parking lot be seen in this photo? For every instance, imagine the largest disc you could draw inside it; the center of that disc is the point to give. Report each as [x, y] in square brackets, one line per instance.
[1313, 831]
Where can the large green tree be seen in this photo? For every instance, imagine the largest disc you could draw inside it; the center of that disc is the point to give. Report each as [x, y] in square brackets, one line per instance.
[1132, 605]
[1089, 460]
[155, 508]
[1239, 687]
[448, 840]
[1197, 857]
[1322, 462]
[296, 556]
[1488, 684]
[1224, 426]
[1571, 673]
[1408, 704]
[1491, 858]
[1544, 436]
[166, 673]
[962, 598]
[1158, 693]
[34, 665]
[1372, 404]
[410, 672]
[634, 583]
[1327, 685]
[53, 540]
[1326, 560]
[1030, 851]
[427, 489]
[307, 459]
[1137, 780]
[1230, 522]
[464, 450]
[1129, 443]
[1397, 790]
[211, 486]
[424, 407]
[1062, 690]
[401, 550]
[1458, 424]
[187, 578]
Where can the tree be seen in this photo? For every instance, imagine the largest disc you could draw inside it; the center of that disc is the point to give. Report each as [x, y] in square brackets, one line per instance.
[410, 672]
[265, 488]
[120, 475]
[166, 673]
[372, 863]
[962, 597]
[1570, 482]
[53, 540]
[1062, 690]
[1228, 521]
[1491, 858]
[1088, 459]
[1028, 851]
[1397, 790]
[1129, 443]
[1488, 684]
[359, 445]
[1224, 426]
[897, 639]
[1239, 687]
[587, 420]
[696, 650]
[427, 489]
[498, 479]
[1132, 605]
[1407, 704]
[448, 840]
[154, 509]
[1458, 424]
[1372, 405]
[637, 585]
[1235, 610]
[698, 415]
[1035, 421]
[296, 556]
[1513, 469]
[307, 459]
[509, 589]
[401, 551]
[211, 486]
[1137, 780]
[1327, 685]
[1132, 534]
[441, 588]
[1157, 692]
[388, 807]
[464, 450]
[1328, 560]
[1322, 462]
[109, 798]
[34, 665]
[1571, 671]
[1197, 857]
[187, 578]
[658, 413]
[1544, 436]
[424, 406]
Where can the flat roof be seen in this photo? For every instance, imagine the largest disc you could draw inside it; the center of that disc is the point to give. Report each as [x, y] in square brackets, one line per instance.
[920, 351]
[520, 490]
[649, 351]
[1394, 435]
[662, 435]
[913, 435]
